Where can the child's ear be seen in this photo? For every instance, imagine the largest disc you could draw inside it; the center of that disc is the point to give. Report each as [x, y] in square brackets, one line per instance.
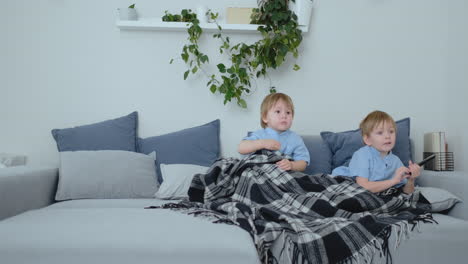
[366, 140]
[264, 119]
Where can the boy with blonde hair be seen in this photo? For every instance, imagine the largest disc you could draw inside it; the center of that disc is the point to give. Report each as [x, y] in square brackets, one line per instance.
[374, 166]
[277, 113]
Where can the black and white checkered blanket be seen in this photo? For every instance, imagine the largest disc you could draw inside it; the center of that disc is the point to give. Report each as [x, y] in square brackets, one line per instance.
[298, 218]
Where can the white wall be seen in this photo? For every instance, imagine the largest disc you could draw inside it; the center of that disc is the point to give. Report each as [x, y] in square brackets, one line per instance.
[457, 126]
[65, 63]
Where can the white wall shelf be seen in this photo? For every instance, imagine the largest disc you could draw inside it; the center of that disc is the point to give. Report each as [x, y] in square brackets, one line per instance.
[157, 24]
[302, 8]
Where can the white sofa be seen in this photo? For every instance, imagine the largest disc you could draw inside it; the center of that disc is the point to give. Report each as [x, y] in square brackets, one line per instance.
[36, 229]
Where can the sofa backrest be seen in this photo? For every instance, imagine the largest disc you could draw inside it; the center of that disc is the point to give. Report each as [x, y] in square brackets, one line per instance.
[321, 155]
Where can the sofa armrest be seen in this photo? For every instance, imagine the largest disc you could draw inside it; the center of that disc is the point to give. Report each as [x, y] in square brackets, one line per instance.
[25, 188]
[455, 182]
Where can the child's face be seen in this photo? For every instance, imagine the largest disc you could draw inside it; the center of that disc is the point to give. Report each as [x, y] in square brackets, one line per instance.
[279, 117]
[382, 138]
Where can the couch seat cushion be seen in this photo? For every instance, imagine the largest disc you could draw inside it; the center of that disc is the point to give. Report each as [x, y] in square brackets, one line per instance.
[120, 231]
[434, 243]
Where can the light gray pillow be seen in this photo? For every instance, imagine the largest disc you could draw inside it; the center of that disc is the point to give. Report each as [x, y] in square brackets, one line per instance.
[177, 179]
[439, 199]
[106, 174]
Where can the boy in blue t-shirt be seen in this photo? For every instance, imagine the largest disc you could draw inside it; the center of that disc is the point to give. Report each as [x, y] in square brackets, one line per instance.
[277, 113]
[374, 166]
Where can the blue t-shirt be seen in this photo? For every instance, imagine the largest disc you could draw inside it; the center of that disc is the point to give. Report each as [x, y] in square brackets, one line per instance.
[291, 143]
[367, 163]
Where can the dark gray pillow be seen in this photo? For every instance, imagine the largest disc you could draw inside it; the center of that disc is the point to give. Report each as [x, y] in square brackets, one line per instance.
[320, 155]
[197, 145]
[115, 134]
[344, 144]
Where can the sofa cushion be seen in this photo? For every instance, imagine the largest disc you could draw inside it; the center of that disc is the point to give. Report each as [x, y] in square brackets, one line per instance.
[344, 144]
[115, 134]
[441, 200]
[177, 179]
[320, 155]
[105, 174]
[430, 243]
[197, 145]
[118, 234]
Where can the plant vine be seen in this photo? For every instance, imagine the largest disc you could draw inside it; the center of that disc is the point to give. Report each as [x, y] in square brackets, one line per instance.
[280, 37]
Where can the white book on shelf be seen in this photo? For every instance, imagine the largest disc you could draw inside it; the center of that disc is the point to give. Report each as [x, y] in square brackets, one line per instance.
[432, 142]
[436, 142]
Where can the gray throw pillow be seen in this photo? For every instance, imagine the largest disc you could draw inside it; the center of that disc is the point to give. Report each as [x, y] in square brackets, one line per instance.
[196, 145]
[115, 134]
[344, 144]
[105, 174]
[440, 199]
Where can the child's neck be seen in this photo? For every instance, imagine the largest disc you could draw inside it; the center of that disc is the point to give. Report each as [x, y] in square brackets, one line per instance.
[277, 131]
[382, 154]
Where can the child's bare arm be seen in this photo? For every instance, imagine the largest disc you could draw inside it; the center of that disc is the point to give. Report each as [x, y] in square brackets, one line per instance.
[379, 186]
[297, 165]
[249, 146]
[409, 186]
[376, 186]
[415, 171]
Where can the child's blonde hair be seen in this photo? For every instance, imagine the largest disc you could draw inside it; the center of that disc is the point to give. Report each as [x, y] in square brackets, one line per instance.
[374, 119]
[269, 101]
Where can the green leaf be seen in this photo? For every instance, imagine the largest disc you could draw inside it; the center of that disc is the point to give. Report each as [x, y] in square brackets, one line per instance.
[242, 103]
[131, 6]
[213, 88]
[221, 68]
[279, 60]
[171, 61]
[296, 67]
[186, 75]
[195, 69]
[185, 56]
[222, 88]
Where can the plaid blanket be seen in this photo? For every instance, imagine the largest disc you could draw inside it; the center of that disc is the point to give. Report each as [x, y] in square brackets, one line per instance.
[298, 218]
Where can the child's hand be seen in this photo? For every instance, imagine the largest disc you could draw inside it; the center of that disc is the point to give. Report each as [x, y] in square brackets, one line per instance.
[414, 169]
[271, 144]
[400, 174]
[284, 164]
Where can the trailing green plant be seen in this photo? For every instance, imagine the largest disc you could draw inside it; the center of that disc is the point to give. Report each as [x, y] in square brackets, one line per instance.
[191, 53]
[185, 16]
[280, 37]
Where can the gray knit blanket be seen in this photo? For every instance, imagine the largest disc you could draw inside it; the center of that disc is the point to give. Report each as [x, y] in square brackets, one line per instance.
[293, 217]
